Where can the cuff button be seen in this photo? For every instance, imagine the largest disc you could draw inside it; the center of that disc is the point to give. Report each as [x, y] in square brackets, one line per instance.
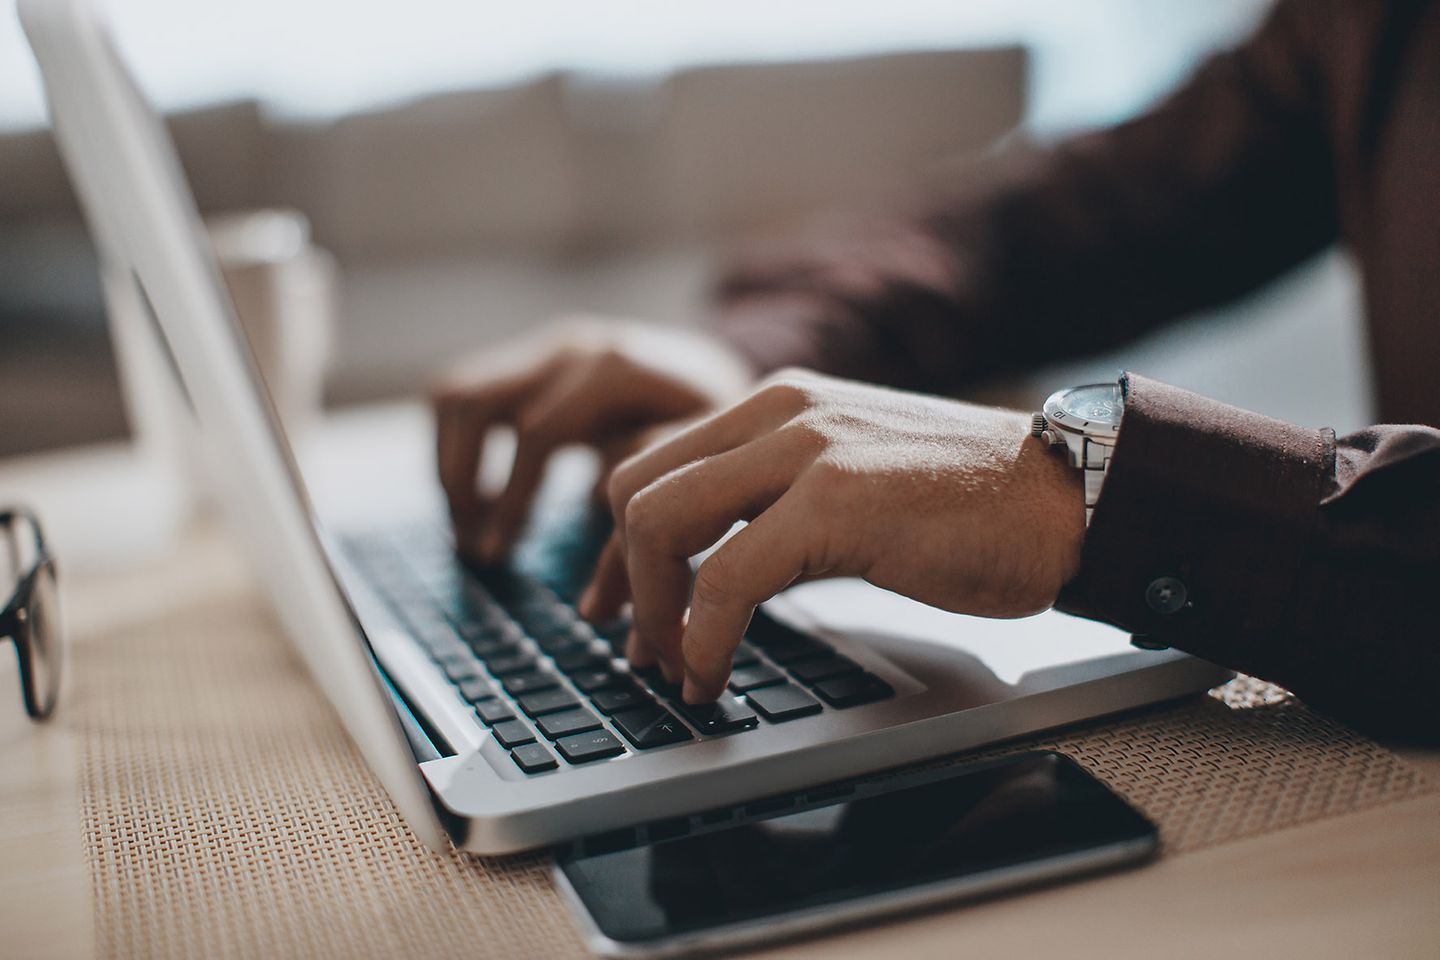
[1167, 595]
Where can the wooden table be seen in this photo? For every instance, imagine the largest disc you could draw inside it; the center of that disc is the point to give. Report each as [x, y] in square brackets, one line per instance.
[1363, 885]
[1367, 884]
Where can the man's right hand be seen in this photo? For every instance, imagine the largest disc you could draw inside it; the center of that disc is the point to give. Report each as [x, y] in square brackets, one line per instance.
[606, 383]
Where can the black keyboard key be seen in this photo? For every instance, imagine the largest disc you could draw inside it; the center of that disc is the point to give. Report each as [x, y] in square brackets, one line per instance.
[745, 656]
[476, 690]
[494, 649]
[481, 608]
[614, 633]
[815, 669]
[512, 733]
[657, 681]
[598, 678]
[533, 758]
[853, 690]
[554, 641]
[489, 643]
[793, 648]
[549, 632]
[483, 623]
[725, 715]
[504, 666]
[443, 646]
[782, 703]
[546, 701]
[621, 697]
[758, 675]
[651, 726]
[765, 630]
[488, 623]
[578, 657]
[561, 636]
[463, 655]
[531, 599]
[518, 683]
[584, 747]
[459, 671]
[566, 722]
[493, 711]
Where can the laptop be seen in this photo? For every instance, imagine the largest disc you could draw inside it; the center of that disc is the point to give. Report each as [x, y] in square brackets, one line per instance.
[494, 716]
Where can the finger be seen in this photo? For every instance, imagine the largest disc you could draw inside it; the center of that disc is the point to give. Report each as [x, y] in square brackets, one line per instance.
[686, 511]
[625, 444]
[476, 394]
[562, 411]
[464, 414]
[639, 653]
[609, 587]
[606, 595]
[460, 430]
[755, 416]
[767, 556]
[613, 451]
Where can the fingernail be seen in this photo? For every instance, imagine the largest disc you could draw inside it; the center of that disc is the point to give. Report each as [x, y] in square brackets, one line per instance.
[691, 692]
[669, 672]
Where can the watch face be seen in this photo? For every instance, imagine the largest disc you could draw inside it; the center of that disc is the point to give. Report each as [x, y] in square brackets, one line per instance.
[1098, 403]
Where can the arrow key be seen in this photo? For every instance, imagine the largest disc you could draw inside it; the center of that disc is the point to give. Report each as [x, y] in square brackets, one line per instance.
[725, 715]
[650, 726]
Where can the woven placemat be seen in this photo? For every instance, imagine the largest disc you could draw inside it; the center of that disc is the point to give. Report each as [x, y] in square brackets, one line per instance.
[227, 815]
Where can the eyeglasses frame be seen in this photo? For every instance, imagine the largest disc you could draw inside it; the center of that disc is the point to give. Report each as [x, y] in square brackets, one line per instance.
[16, 619]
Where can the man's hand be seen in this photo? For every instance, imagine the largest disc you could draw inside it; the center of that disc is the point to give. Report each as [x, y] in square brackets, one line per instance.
[601, 382]
[952, 504]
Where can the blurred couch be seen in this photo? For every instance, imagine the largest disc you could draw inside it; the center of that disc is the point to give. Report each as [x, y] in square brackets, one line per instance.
[464, 217]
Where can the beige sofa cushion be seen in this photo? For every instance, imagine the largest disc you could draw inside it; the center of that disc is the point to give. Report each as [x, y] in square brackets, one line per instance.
[569, 165]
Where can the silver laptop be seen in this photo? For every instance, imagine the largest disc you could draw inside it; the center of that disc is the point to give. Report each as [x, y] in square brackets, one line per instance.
[488, 709]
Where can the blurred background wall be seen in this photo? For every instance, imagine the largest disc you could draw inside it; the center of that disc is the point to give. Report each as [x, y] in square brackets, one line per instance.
[475, 168]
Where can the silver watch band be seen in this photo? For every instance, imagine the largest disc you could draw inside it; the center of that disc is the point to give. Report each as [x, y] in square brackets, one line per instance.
[1094, 462]
[1085, 452]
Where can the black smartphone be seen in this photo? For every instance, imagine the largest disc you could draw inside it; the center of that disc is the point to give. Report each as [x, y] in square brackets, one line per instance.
[848, 853]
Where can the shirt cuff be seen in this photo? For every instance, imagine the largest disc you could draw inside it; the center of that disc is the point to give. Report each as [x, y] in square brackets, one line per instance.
[1201, 531]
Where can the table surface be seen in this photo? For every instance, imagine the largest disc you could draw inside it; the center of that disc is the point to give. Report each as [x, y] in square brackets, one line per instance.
[1365, 884]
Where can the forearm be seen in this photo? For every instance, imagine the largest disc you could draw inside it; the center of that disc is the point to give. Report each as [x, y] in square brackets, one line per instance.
[1305, 560]
[1042, 253]
[888, 308]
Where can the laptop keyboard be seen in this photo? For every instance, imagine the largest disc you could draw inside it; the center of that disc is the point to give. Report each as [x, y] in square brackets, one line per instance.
[554, 691]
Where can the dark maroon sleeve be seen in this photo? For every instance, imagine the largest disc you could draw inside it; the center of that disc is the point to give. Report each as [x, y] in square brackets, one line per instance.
[1045, 253]
[1276, 550]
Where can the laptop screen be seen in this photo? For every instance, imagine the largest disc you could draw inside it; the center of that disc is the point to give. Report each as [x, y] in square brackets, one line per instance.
[153, 245]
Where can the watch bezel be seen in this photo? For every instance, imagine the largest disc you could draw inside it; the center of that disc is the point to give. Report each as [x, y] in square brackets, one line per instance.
[1058, 417]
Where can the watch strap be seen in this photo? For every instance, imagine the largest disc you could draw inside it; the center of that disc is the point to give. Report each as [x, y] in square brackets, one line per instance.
[1094, 463]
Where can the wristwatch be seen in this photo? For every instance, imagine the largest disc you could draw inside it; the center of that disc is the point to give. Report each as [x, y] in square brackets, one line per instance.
[1086, 420]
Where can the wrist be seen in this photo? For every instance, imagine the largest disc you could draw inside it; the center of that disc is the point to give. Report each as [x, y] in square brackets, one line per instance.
[1050, 495]
[1061, 496]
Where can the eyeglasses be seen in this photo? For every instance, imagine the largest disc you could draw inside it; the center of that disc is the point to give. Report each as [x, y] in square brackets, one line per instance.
[31, 617]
